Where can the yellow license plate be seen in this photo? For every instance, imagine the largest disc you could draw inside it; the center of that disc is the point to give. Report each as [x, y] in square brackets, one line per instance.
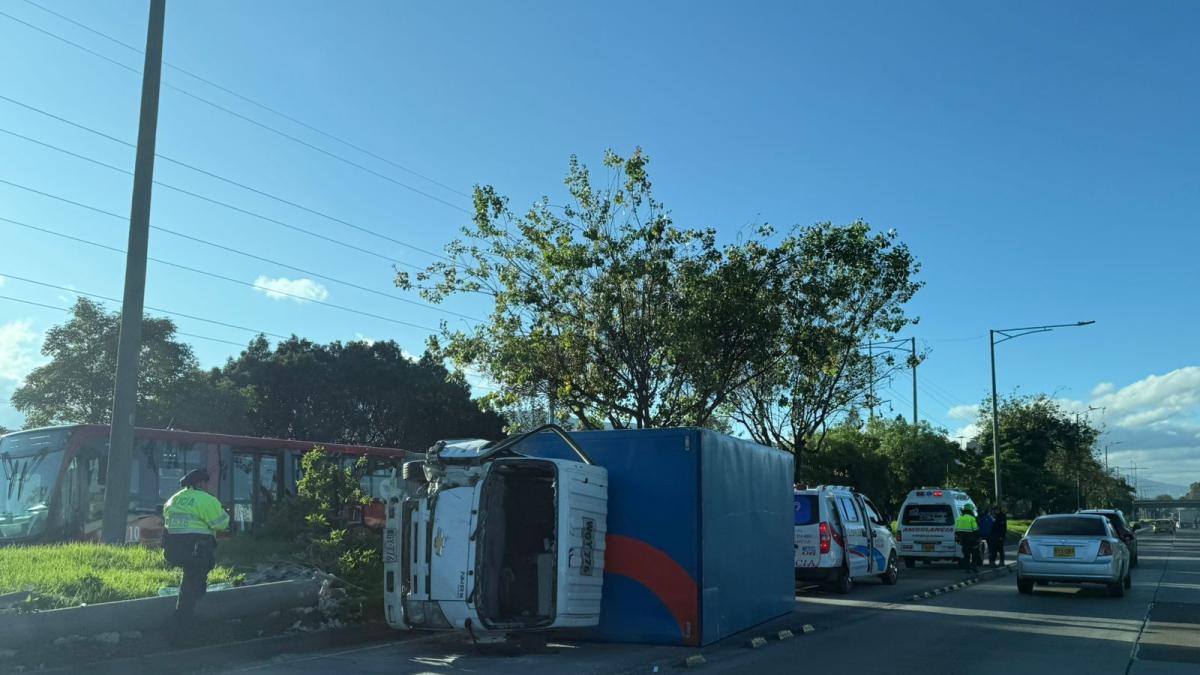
[1064, 551]
[927, 547]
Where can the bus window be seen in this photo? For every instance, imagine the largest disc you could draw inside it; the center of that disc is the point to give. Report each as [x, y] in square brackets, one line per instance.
[243, 492]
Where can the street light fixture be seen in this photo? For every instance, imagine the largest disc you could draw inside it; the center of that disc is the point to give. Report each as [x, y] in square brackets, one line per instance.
[1010, 334]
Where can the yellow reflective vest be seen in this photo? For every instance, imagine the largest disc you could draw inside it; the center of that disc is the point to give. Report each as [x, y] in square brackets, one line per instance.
[966, 523]
[192, 511]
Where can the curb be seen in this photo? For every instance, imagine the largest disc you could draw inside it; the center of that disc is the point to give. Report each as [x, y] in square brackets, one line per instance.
[980, 577]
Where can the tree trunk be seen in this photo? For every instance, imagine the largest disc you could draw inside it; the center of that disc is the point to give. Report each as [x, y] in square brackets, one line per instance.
[798, 453]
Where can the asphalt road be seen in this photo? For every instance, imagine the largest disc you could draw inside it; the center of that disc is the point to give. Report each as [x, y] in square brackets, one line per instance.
[983, 628]
[990, 628]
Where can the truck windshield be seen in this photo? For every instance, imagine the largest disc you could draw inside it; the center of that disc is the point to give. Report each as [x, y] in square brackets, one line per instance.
[29, 466]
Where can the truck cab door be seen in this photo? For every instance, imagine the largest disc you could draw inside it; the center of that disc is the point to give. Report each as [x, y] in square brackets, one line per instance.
[580, 542]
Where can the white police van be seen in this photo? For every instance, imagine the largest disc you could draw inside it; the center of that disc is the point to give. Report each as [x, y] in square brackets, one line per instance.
[484, 539]
[926, 527]
[840, 537]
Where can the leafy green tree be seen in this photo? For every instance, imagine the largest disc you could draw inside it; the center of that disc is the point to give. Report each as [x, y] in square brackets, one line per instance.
[840, 287]
[605, 306]
[1047, 459]
[76, 386]
[354, 392]
[1194, 491]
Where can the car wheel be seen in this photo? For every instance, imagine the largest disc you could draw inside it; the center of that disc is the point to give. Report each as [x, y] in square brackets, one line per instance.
[893, 572]
[1117, 590]
[1133, 560]
[843, 583]
[1025, 587]
[910, 563]
[1128, 579]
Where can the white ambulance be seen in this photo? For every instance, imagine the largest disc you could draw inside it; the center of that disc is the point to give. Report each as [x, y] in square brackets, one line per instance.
[484, 539]
[840, 536]
[926, 524]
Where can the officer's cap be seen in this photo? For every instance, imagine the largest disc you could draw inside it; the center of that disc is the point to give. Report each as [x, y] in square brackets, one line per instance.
[194, 478]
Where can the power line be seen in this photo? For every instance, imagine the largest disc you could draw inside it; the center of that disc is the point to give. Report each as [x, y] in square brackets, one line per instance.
[246, 118]
[222, 277]
[68, 289]
[251, 101]
[214, 175]
[242, 253]
[68, 309]
[217, 202]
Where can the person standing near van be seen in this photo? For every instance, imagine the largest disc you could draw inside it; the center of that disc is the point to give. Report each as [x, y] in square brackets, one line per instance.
[996, 539]
[966, 530]
[192, 517]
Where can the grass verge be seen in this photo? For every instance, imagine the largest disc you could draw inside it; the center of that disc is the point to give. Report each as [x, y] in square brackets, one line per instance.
[68, 575]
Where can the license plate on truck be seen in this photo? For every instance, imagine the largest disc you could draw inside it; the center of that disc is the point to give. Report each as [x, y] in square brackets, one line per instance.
[927, 547]
[1064, 551]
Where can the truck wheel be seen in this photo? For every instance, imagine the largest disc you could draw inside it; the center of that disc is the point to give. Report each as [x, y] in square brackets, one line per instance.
[892, 574]
[414, 472]
[910, 562]
[843, 583]
[1024, 587]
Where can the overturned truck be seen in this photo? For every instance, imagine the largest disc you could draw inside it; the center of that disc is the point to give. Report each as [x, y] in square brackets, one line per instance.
[665, 536]
[482, 538]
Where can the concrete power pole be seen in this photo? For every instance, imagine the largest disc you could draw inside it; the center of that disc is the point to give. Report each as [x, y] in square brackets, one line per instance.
[120, 452]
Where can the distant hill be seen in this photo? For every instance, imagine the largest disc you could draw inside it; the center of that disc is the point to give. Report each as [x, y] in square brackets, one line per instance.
[1149, 489]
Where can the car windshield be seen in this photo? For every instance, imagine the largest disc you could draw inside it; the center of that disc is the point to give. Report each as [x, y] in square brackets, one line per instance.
[29, 466]
[927, 514]
[1070, 526]
[806, 509]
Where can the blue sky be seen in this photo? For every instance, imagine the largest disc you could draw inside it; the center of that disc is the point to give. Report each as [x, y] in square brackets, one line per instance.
[1039, 159]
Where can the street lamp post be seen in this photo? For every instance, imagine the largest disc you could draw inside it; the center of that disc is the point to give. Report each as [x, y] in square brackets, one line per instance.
[1010, 334]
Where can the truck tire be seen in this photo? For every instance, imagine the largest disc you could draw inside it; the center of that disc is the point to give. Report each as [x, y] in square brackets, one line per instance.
[414, 472]
[1024, 587]
[910, 562]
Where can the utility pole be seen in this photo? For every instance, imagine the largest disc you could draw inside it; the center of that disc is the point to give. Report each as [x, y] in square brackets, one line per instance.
[120, 445]
[871, 395]
[914, 369]
[995, 421]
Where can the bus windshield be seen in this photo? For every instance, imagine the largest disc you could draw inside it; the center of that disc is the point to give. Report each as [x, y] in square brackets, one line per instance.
[29, 467]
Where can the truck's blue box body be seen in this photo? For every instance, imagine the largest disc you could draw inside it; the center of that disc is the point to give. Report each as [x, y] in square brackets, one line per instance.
[700, 537]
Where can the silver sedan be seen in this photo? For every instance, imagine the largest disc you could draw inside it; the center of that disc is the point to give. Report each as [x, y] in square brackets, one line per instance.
[1078, 548]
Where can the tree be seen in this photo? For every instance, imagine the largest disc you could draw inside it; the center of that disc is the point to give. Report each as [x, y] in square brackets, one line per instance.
[1047, 459]
[76, 386]
[1194, 491]
[841, 286]
[605, 306]
[355, 393]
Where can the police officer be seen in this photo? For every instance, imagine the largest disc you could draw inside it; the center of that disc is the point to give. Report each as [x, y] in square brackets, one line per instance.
[966, 530]
[192, 517]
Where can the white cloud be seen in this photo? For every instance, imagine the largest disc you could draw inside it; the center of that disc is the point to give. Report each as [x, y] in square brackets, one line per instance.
[19, 345]
[963, 412]
[965, 434]
[1103, 388]
[297, 290]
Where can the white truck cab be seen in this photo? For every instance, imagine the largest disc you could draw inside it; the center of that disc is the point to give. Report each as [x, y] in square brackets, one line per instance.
[926, 527]
[482, 538]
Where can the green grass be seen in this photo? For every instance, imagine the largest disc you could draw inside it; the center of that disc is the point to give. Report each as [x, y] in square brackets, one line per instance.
[67, 575]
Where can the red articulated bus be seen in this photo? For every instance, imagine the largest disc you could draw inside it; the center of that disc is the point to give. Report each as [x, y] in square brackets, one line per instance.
[52, 485]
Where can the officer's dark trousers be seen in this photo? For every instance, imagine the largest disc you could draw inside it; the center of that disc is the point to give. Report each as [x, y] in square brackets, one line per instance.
[196, 554]
[995, 548]
[970, 549]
